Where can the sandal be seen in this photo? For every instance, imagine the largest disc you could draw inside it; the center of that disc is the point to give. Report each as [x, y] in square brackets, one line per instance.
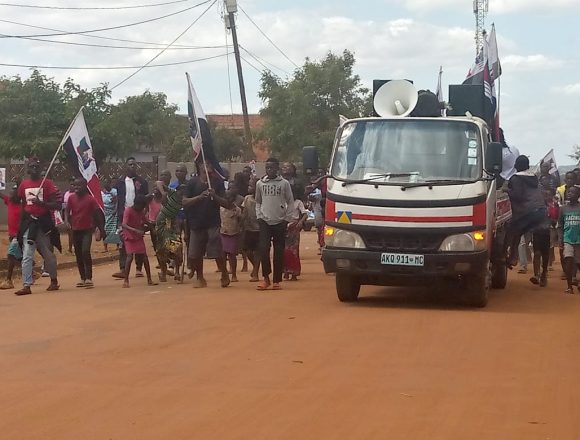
[535, 280]
[569, 291]
[264, 285]
[81, 284]
[276, 286]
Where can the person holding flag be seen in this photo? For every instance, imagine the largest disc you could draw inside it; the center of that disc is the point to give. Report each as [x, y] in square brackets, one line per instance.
[40, 197]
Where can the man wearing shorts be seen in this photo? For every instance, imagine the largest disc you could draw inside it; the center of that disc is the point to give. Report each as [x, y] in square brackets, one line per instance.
[202, 203]
[570, 226]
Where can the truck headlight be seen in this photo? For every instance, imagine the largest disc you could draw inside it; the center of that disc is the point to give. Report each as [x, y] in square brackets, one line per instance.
[341, 238]
[470, 242]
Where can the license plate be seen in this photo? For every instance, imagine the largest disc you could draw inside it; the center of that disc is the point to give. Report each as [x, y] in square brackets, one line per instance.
[402, 259]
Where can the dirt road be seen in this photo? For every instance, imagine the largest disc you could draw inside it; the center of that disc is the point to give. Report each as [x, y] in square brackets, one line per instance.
[172, 362]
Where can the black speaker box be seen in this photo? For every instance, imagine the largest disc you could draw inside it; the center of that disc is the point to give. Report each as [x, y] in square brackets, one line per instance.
[466, 98]
[310, 160]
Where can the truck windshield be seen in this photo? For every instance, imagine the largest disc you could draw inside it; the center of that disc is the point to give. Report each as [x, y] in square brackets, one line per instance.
[408, 150]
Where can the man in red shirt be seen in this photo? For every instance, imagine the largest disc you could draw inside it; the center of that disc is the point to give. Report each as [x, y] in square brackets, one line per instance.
[37, 224]
[14, 250]
[82, 214]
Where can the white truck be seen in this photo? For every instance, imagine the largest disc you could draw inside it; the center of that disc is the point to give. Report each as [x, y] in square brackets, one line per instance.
[414, 201]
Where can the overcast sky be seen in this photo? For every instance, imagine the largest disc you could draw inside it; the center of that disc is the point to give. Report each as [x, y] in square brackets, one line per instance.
[538, 45]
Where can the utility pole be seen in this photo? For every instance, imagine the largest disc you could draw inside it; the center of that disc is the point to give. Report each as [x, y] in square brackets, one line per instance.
[480, 9]
[230, 18]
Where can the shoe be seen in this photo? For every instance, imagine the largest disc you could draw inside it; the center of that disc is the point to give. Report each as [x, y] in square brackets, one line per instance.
[81, 284]
[276, 286]
[523, 270]
[119, 275]
[225, 280]
[199, 283]
[544, 280]
[24, 291]
[569, 291]
[53, 287]
[89, 284]
[170, 272]
[7, 284]
[264, 285]
[45, 275]
[535, 280]
[139, 274]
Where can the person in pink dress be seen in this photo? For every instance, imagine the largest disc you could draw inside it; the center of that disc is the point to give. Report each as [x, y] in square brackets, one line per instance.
[134, 226]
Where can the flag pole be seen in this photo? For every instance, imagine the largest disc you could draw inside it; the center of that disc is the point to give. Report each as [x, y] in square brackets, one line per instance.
[204, 165]
[60, 146]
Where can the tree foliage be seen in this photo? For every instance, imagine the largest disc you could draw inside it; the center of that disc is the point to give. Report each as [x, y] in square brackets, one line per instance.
[304, 110]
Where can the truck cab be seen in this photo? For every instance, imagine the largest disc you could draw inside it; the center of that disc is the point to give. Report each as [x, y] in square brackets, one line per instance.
[413, 201]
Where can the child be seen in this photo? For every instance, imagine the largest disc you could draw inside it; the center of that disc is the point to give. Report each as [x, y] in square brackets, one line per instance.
[570, 233]
[292, 267]
[14, 250]
[231, 227]
[82, 214]
[67, 194]
[251, 230]
[134, 226]
[315, 197]
[109, 196]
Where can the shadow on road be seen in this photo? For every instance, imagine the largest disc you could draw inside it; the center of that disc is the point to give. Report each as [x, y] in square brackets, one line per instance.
[516, 298]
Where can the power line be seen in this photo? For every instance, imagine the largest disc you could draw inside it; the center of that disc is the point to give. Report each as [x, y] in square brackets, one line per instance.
[71, 43]
[252, 66]
[176, 63]
[112, 27]
[87, 36]
[266, 36]
[165, 48]
[263, 62]
[101, 8]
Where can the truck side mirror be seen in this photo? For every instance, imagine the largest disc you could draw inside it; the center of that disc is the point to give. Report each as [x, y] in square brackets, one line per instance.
[310, 160]
[494, 158]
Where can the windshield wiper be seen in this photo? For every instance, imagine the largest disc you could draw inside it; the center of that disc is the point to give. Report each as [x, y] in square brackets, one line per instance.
[435, 182]
[378, 176]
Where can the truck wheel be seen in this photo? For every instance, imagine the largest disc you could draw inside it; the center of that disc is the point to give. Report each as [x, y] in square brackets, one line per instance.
[499, 275]
[347, 288]
[478, 290]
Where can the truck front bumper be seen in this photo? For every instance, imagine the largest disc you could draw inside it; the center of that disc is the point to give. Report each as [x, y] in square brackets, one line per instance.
[366, 266]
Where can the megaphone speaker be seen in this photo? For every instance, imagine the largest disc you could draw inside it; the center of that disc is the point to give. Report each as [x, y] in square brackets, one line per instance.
[310, 160]
[395, 98]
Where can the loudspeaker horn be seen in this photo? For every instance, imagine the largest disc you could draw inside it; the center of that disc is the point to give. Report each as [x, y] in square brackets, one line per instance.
[395, 98]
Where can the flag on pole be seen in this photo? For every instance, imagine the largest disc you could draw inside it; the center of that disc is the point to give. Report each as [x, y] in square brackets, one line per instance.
[549, 158]
[79, 152]
[201, 139]
[494, 64]
[439, 91]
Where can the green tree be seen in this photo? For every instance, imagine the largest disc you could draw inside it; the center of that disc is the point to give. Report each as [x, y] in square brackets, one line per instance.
[304, 110]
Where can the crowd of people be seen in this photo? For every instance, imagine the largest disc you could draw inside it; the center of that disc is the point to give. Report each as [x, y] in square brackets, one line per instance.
[545, 215]
[189, 220]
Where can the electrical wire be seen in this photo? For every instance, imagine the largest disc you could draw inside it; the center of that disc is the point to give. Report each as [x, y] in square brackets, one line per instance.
[71, 43]
[89, 36]
[112, 27]
[263, 62]
[176, 63]
[100, 8]
[266, 36]
[252, 66]
[167, 47]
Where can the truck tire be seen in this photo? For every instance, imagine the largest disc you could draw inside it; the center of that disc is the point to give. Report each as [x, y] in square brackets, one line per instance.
[478, 290]
[499, 275]
[347, 288]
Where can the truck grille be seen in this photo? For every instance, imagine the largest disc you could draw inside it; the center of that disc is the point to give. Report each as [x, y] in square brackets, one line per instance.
[397, 242]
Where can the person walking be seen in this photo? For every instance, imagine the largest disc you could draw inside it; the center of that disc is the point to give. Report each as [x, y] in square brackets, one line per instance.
[14, 254]
[292, 266]
[274, 205]
[82, 215]
[231, 228]
[202, 203]
[528, 206]
[251, 230]
[37, 227]
[569, 225]
[134, 227]
[128, 187]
